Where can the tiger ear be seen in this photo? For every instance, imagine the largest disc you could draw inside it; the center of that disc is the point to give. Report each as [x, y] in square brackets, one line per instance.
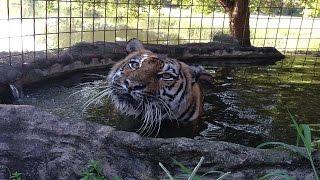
[199, 74]
[134, 45]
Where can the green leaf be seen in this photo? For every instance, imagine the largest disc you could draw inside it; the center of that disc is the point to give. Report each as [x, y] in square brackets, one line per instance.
[297, 127]
[93, 172]
[307, 136]
[16, 176]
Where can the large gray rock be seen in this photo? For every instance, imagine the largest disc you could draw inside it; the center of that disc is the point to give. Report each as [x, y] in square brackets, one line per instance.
[42, 146]
[8, 74]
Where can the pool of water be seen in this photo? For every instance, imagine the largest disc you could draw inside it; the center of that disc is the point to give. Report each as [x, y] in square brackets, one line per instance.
[247, 104]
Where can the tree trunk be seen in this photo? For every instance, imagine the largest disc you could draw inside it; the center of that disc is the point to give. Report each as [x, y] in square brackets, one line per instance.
[239, 15]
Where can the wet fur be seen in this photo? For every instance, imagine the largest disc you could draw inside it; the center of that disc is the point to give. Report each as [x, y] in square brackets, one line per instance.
[139, 85]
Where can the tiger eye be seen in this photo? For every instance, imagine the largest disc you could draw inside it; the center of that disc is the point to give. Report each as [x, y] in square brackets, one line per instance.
[134, 65]
[166, 75]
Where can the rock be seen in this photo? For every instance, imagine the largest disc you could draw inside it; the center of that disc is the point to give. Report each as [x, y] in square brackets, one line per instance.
[43, 146]
[8, 84]
[34, 75]
[76, 65]
[56, 68]
[6, 94]
[8, 74]
[213, 53]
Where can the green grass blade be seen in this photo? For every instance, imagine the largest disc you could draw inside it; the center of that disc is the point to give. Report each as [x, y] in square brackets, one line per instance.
[166, 171]
[196, 168]
[211, 172]
[298, 128]
[284, 145]
[298, 140]
[185, 170]
[282, 175]
[182, 167]
[307, 136]
[224, 175]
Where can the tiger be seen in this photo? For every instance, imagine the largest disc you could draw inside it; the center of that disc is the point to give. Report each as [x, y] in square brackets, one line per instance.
[156, 87]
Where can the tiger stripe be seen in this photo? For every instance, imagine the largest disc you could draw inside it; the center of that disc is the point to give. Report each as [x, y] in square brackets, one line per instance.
[165, 85]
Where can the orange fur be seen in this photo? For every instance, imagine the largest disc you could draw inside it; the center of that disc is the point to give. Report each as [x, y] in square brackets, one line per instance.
[143, 77]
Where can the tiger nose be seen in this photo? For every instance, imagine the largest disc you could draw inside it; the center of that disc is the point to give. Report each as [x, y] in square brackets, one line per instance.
[133, 86]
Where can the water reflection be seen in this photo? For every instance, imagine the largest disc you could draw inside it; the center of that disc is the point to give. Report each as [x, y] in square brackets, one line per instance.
[256, 98]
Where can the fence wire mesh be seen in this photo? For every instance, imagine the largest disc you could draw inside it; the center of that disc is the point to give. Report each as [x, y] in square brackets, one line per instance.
[28, 26]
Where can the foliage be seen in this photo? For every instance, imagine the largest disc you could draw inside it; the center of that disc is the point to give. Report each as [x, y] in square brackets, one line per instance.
[16, 176]
[93, 172]
[13, 176]
[277, 7]
[312, 8]
[191, 174]
[135, 7]
[303, 134]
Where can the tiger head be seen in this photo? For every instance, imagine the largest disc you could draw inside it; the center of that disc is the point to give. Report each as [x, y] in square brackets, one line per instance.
[155, 87]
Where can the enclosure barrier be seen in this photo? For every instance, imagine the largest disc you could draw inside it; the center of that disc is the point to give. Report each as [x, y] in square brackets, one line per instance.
[49, 26]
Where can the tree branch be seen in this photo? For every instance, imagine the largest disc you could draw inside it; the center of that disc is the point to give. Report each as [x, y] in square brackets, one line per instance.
[227, 4]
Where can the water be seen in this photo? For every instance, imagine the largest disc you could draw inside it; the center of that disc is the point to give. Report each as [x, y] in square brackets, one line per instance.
[247, 104]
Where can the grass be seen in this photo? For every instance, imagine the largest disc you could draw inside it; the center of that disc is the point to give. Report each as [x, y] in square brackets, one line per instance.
[16, 176]
[191, 174]
[13, 176]
[93, 172]
[304, 135]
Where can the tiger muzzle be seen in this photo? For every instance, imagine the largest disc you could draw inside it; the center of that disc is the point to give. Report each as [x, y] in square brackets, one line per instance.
[134, 86]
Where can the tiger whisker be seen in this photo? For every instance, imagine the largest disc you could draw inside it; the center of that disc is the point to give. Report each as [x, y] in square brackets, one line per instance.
[96, 75]
[141, 129]
[91, 101]
[98, 99]
[138, 108]
[149, 119]
[145, 124]
[152, 120]
[94, 98]
[88, 89]
[158, 122]
[157, 119]
[153, 117]
[157, 116]
[91, 83]
[167, 109]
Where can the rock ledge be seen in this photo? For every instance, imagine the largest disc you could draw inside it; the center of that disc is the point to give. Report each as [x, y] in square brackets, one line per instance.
[43, 146]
